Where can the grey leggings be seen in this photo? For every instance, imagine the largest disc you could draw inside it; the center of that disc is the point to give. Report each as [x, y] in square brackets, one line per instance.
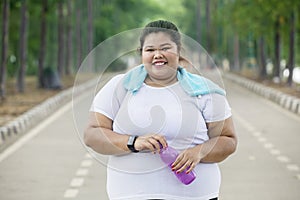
[163, 199]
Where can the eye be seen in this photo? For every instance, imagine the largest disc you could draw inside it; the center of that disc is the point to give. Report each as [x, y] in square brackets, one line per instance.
[149, 50]
[166, 48]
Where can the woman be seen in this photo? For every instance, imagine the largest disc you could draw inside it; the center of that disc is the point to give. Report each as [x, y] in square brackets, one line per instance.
[155, 105]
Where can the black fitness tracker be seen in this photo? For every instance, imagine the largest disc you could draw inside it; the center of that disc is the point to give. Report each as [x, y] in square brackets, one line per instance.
[130, 143]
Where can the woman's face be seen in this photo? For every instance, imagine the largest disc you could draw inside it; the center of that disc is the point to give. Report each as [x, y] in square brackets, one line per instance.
[160, 56]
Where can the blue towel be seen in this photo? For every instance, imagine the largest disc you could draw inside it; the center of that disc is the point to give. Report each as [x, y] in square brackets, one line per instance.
[192, 84]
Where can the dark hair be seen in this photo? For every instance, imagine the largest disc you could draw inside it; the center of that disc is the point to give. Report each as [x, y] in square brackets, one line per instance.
[161, 26]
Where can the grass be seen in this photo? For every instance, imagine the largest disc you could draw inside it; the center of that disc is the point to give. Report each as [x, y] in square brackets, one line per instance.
[16, 103]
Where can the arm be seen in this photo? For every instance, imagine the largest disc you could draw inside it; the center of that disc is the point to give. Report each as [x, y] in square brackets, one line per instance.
[101, 138]
[222, 143]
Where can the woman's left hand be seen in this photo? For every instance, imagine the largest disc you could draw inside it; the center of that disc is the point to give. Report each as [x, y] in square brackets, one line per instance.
[187, 159]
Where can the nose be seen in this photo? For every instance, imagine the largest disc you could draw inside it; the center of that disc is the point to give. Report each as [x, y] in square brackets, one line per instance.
[157, 54]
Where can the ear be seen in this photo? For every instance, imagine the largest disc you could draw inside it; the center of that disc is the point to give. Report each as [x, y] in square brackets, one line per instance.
[184, 62]
[139, 50]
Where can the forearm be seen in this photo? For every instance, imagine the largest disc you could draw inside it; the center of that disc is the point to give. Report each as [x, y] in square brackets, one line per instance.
[217, 149]
[105, 141]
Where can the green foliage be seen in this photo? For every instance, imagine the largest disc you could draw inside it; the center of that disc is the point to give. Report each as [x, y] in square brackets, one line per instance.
[110, 17]
[117, 65]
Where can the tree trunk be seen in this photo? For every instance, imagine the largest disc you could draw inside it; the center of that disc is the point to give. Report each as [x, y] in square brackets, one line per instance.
[291, 62]
[90, 25]
[236, 53]
[78, 35]
[69, 45]
[208, 32]
[42, 43]
[23, 48]
[277, 49]
[262, 58]
[198, 29]
[90, 35]
[5, 29]
[60, 36]
[198, 21]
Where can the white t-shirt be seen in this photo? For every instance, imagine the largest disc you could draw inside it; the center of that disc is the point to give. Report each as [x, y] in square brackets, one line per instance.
[176, 115]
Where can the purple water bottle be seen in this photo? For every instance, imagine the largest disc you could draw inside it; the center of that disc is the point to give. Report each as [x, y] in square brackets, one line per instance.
[168, 156]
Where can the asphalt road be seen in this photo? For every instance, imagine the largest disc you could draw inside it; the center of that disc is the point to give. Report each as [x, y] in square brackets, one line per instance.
[50, 162]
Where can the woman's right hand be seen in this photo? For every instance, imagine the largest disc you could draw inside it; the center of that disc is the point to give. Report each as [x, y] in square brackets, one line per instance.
[150, 142]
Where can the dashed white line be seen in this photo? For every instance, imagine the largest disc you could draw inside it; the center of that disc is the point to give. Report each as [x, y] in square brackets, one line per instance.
[268, 146]
[275, 152]
[77, 182]
[283, 159]
[86, 163]
[256, 134]
[82, 172]
[252, 158]
[262, 139]
[292, 167]
[87, 155]
[71, 193]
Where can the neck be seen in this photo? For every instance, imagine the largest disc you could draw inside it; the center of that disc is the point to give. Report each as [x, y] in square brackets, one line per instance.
[160, 82]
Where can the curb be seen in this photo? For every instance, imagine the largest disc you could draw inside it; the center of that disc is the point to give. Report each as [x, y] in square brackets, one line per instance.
[17, 127]
[286, 101]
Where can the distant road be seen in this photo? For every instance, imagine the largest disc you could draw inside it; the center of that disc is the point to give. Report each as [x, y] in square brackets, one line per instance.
[51, 163]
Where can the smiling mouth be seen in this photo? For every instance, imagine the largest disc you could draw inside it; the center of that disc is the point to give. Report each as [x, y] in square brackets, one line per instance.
[161, 63]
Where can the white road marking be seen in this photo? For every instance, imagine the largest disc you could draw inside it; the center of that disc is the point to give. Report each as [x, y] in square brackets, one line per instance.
[88, 155]
[86, 163]
[252, 158]
[82, 172]
[262, 139]
[71, 193]
[33, 132]
[267, 145]
[292, 167]
[275, 152]
[256, 133]
[283, 159]
[77, 182]
[38, 129]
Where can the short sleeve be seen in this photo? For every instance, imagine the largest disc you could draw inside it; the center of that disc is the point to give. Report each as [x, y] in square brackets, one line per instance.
[215, 107]
[106, 100]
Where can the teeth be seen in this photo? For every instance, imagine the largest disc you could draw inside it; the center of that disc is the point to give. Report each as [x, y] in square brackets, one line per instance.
[159, 63]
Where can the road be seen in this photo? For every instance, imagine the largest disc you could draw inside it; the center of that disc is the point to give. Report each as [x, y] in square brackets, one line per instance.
[50, 162]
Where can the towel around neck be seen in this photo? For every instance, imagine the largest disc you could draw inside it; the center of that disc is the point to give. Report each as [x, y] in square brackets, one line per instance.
[192, 84]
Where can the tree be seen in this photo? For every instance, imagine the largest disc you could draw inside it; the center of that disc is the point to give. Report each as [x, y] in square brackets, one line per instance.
[60, 36]
[69, 43]
[5, 35]
[262, 57]
[43, 34]
[23, 48]
[277, 48]
[198, 21]
[208, 27]
[291, 62]
[90, 25]
[78, 34]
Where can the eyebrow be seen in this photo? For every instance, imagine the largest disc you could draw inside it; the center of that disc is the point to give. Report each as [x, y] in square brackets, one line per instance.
[164, 44]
